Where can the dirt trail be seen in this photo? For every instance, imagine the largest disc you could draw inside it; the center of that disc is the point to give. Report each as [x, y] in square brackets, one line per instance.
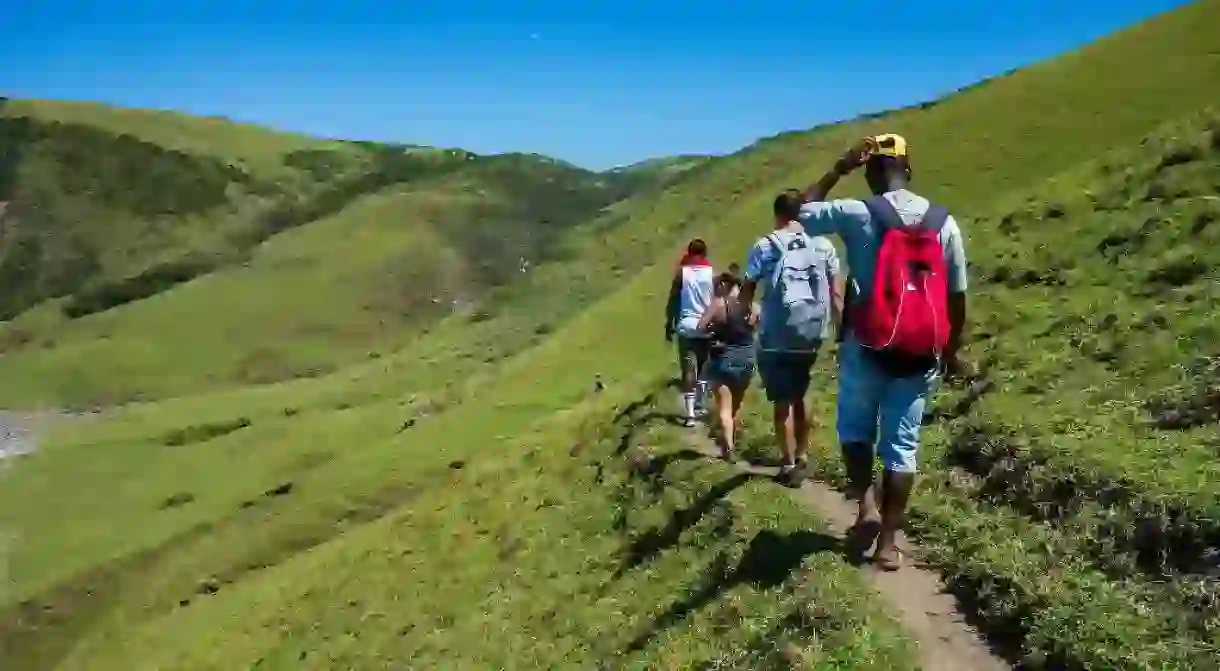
[20, 431]
[914, 594]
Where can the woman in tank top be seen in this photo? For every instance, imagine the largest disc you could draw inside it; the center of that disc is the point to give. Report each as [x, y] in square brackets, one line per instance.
[732, 365]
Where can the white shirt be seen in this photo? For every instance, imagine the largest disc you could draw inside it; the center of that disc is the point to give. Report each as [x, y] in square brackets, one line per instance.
[694, 299]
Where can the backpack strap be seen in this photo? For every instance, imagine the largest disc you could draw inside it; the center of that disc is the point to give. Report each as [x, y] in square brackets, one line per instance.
[773, 238]
[935, 218]
[883, 213]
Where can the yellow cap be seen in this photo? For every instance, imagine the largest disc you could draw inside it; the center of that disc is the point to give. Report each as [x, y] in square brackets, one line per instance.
[889, 144]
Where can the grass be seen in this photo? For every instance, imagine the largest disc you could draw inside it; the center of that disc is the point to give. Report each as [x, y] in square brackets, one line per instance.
[735, 584]
[461, 500]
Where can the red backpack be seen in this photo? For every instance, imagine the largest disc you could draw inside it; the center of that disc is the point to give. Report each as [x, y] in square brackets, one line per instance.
[906, 315]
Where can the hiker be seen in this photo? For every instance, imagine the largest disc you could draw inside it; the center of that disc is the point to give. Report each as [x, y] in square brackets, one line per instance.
[689, 295]
[731, 327]
[898, 245]
[800, 300]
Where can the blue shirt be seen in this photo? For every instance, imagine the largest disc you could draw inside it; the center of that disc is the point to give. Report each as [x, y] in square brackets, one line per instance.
[850, 220]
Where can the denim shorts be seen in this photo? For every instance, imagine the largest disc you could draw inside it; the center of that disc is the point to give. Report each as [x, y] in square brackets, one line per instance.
[733, 366]
[877, 408]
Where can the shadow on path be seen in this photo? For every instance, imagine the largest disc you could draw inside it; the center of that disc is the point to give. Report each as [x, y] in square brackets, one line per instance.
[768, 561]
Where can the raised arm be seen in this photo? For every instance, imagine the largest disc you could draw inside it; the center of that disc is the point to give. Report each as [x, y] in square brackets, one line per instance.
[849, 161]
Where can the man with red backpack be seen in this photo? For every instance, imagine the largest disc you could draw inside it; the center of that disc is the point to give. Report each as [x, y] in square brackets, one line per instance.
[906, 311]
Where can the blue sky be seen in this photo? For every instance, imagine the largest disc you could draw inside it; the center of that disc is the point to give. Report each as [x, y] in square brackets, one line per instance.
[596, 83]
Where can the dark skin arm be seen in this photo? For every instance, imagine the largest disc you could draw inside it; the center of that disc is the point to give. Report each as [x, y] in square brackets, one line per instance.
[819, 190]
[836, 302]
[852, 159]
[671, 306]
[957, 325]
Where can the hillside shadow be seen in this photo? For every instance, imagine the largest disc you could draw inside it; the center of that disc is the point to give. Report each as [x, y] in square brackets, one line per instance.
[975, 391]
[638, 416]
[638, 424]
[768, 562]
[653, 542]
[635, 406]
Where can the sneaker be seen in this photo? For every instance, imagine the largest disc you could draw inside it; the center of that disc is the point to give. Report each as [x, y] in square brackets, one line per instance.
[689, 422]
[789, 476]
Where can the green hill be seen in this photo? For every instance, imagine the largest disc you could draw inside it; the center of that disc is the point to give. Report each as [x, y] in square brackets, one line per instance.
[467, 501]
[116, 247]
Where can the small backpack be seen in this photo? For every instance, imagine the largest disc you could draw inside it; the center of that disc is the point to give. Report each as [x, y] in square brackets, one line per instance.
[800, 284]
[905, 318]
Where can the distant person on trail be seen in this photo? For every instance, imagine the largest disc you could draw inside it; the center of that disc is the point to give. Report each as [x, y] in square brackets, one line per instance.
[799, 276]
[906, 314]
[689, 297]
[731, 326]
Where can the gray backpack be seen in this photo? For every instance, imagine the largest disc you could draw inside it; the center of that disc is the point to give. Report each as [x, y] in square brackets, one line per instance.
[799, 299]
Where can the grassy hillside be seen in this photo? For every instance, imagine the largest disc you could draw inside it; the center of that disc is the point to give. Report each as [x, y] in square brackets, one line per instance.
[468, 501]
[370, 242]
[253, 148]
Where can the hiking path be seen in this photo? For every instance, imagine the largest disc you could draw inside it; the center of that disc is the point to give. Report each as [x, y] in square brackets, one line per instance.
[916, 595]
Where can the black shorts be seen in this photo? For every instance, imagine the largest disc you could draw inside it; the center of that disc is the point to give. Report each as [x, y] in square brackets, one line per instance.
[693, 353]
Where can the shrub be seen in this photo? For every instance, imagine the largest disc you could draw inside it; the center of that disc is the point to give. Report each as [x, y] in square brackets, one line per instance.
[109, 294]
[199, 433]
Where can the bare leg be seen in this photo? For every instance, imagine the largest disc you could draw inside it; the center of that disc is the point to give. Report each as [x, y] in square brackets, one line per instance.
[895, 493]
[787, 416]
[858, 462]
[690, 374]
[785, 432]
[800, 431]
[739, 396]
[725, 409]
